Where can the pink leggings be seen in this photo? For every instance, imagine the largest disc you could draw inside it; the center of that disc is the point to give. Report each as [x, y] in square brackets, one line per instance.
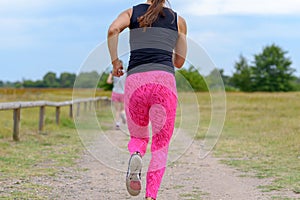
[151, 96]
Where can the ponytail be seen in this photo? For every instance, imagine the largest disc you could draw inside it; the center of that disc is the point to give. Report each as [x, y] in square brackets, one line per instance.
[154, 11]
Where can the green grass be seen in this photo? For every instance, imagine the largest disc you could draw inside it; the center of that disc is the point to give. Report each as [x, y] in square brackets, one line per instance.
[262, 135]
[193, 195]
[36, 154]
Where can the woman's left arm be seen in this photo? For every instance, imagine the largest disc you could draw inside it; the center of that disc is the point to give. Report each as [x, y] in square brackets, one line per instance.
[122, 22]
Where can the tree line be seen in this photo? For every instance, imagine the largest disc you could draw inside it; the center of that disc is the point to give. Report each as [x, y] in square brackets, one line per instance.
[269, 71]
[50, 80]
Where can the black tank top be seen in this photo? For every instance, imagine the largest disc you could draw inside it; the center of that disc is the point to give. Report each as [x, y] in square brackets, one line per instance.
[152, 48]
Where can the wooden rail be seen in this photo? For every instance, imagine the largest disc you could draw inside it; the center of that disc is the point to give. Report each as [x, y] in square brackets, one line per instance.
[17, 106]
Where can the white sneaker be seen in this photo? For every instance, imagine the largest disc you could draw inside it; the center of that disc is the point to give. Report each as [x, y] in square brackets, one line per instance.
[133, 177]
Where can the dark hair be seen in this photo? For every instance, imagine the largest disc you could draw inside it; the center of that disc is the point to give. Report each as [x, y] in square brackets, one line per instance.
[154, 11]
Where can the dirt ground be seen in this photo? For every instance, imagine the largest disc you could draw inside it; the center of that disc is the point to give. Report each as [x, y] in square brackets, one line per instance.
[186, 177]
[100, 175]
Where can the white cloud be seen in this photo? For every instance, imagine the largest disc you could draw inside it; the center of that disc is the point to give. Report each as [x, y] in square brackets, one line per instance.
[240, 7]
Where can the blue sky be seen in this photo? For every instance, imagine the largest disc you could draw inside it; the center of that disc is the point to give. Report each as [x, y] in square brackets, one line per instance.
[53, 35]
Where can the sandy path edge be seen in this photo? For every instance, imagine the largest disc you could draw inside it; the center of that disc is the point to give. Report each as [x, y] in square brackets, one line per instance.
[188, 178]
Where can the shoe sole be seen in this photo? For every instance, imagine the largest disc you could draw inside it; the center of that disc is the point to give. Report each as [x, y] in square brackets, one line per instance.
[133, 179]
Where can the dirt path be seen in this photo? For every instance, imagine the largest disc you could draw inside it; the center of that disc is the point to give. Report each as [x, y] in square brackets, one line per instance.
[189, 177]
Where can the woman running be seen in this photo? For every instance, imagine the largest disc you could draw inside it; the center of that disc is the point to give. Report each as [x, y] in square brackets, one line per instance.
[117, 98]
[158, 43]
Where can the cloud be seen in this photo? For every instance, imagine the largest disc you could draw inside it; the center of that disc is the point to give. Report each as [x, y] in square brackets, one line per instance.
[238, 7]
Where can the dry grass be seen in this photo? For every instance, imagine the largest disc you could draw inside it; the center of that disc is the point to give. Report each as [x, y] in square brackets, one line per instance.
[261, 135]
[37, 154]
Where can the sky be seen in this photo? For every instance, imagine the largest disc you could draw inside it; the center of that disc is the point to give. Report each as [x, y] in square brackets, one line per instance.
[53, 35]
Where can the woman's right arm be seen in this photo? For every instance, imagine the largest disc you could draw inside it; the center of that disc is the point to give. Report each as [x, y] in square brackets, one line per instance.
[118, 25]
[180, 50]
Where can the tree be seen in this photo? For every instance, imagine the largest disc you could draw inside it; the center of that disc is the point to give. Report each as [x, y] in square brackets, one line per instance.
[242, 76]
[187, 79]
[66, 80]
[50, 80]
[296, 84]
[28, 84]
[87, 80]
[217, 79]
[18, 84]
[103, 84]
[272, 71]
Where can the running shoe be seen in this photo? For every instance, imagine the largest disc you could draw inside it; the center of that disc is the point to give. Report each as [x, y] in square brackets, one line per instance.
[118, 126]
[133, 177]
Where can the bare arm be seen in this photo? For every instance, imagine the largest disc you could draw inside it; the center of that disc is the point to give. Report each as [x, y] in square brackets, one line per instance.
[180, 50]
[109, 79]
[118, 25]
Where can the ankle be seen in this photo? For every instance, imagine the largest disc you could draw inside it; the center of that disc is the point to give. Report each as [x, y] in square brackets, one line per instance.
[137, 153]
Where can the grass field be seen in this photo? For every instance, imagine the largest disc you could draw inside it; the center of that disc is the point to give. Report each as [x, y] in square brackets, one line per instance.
[261, 136]
[37, 154]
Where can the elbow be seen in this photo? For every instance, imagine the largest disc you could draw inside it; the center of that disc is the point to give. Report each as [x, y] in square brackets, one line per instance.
[113, 31]
[178, 62]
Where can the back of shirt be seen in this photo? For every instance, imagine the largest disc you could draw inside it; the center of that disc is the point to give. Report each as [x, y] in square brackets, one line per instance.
[152, 47]
[119, 84]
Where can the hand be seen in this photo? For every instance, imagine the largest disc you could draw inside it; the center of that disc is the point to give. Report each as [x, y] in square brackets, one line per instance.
[117, 68]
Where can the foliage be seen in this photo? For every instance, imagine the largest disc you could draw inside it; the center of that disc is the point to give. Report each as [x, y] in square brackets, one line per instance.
[103, 84]
[190, 79]
[67, 80]
[50, 80]
[242, 77]
[87, 80]
[216, 80]
[270, 72]
[296, 84]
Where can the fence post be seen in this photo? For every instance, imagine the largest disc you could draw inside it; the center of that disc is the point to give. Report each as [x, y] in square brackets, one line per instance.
[85, 106]
[98, 104]
[57, 115]
[42, 118]
[95, 105]
[78, 110]
[90, 105]
[107, 101]
[16, 117]
[71, 111]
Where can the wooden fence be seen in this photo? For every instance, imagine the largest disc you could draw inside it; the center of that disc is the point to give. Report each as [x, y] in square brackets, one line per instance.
[17, 106]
